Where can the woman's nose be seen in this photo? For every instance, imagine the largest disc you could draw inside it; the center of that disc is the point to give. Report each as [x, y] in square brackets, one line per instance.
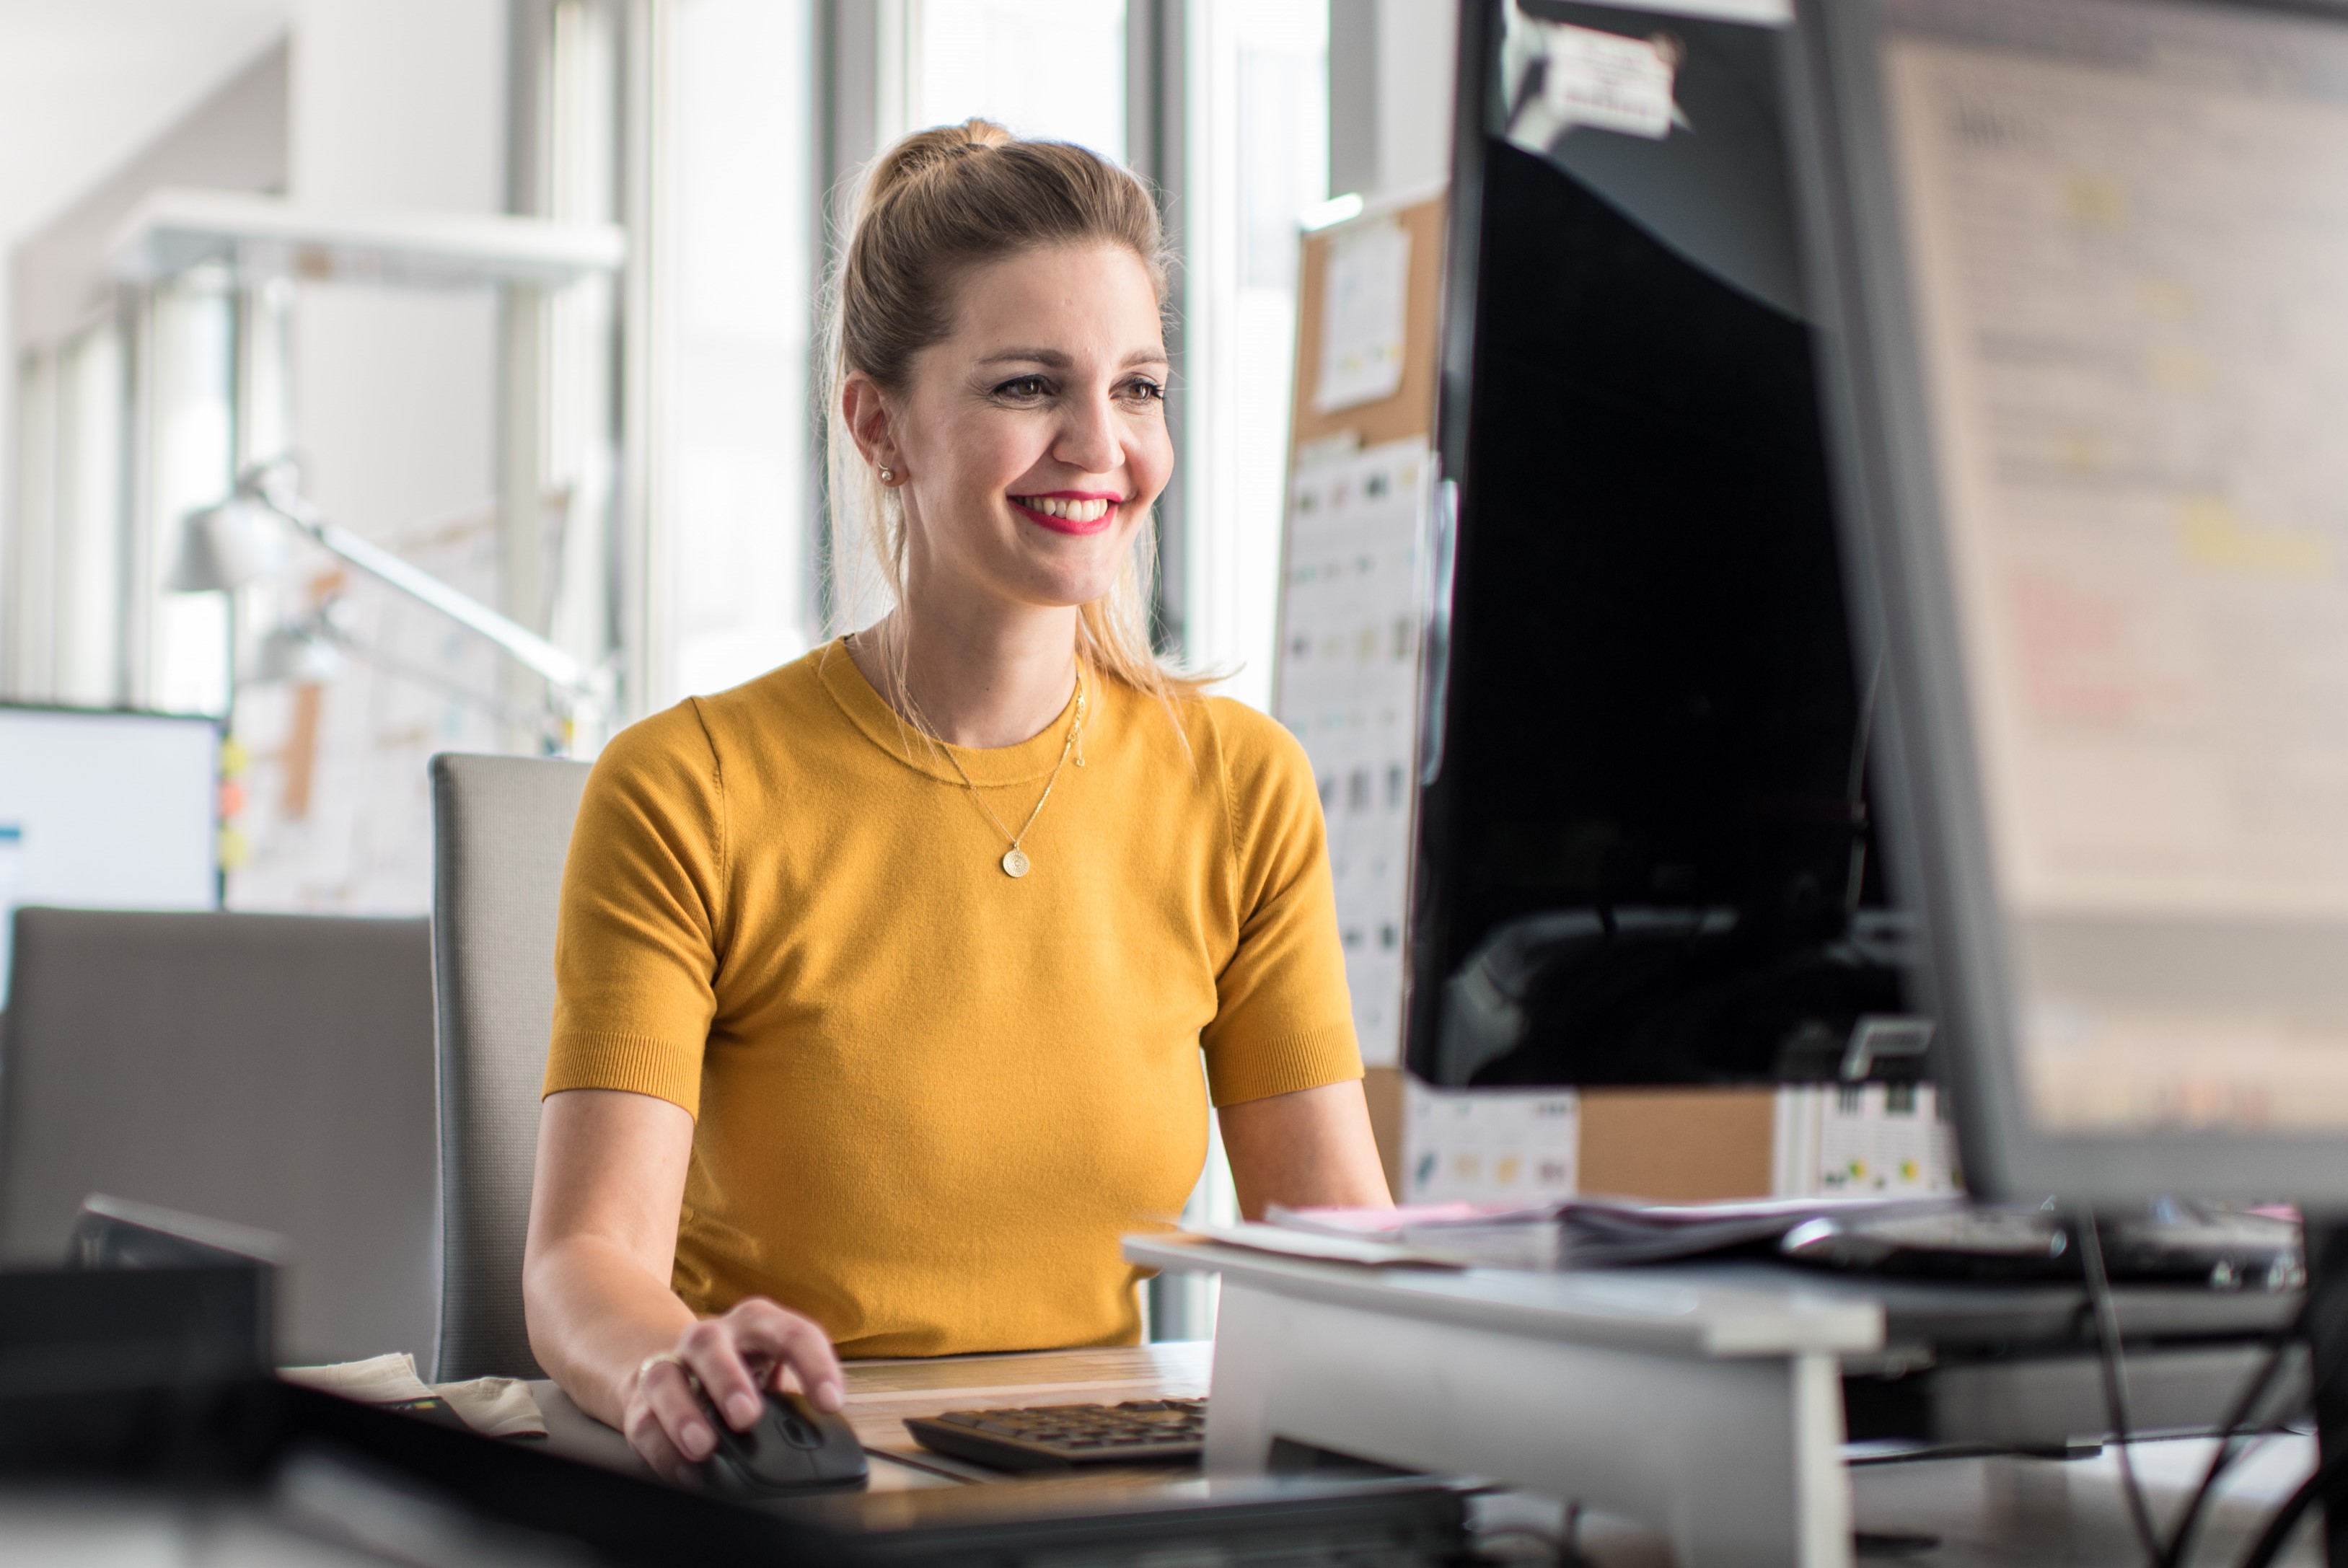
[1088, 442]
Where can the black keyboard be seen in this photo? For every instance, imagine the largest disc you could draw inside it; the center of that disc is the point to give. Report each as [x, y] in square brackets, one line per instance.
[1047, 1436]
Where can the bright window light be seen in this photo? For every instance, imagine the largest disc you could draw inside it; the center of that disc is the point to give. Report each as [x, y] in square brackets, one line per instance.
[739, 493]
[1051, 68]
[1259, 159]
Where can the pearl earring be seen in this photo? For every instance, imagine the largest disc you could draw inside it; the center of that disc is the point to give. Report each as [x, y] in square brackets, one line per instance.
[888, 476]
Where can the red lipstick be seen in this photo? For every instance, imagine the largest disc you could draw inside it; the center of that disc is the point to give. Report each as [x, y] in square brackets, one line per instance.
[1108, 518]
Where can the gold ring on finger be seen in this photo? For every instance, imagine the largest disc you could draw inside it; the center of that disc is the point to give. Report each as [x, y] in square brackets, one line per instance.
[666, 1358]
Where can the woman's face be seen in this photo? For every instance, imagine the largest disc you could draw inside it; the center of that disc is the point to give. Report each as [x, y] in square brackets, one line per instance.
[1033, 442]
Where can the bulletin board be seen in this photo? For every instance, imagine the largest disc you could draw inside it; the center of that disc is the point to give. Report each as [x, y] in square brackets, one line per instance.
[1346, 679]
[1410, 411]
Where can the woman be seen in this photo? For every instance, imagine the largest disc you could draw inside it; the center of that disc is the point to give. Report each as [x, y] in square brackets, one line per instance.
[883, 980]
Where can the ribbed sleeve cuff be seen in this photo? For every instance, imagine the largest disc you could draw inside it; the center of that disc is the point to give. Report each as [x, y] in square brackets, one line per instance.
[1240, 1070]
[664, 1069]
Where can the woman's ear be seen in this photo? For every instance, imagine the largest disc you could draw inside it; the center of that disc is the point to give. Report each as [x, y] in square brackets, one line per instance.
[870, 424]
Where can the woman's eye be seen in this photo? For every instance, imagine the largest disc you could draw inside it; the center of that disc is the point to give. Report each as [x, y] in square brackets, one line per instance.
[1145, 391]
[1025, 388]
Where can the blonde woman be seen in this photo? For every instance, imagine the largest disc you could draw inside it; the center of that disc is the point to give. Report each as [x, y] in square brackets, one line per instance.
[884, 980]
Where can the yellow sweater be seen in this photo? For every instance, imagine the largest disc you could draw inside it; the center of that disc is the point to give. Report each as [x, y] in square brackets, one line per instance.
[930, 1098]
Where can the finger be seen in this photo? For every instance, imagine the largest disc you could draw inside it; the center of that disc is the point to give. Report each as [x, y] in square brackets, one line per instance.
[653, 1445]
[788, 1340]
[678, 1410]
[726, 1377]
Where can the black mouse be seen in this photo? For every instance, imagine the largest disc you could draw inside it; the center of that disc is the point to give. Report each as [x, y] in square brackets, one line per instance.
[791, 1447]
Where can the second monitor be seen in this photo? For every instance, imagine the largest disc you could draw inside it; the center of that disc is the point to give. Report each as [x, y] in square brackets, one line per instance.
[1647, 856]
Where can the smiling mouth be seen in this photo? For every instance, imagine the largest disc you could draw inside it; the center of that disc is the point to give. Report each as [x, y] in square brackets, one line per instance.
[1068, 513]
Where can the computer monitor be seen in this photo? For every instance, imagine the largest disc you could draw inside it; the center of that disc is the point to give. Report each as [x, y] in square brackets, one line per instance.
[113, 1233]
[2087, 264]
[1643, 851]
[107, 811]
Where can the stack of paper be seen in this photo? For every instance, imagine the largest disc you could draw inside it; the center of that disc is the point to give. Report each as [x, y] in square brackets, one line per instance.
[494, 1406]
[1571, 1233]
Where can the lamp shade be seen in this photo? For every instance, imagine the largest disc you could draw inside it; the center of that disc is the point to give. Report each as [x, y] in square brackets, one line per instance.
[225, 547]
[296, 653]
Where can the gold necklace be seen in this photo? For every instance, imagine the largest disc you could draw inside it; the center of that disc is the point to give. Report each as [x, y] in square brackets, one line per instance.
[1015, 858]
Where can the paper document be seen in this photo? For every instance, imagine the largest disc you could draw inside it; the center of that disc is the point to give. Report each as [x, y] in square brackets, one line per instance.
[1561, 76]
[1364, 308]
[1320, 1247]
[493, 1406]
[1347, 685]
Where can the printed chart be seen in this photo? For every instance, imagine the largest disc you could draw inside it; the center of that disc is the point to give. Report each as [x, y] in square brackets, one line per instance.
[1347, 685]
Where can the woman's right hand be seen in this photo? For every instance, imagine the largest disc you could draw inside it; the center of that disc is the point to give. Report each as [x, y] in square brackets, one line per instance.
[733, 1358]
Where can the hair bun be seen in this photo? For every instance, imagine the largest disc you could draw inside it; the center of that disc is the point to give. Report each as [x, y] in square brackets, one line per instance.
[926, 149]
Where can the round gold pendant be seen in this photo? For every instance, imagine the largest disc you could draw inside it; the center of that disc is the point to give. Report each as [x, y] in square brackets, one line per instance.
[1014, 861]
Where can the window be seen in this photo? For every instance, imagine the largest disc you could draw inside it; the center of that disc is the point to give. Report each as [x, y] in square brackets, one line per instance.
[1051, 68]
[739, 493]
[1258, 156]
[69, 551]
[192, 334]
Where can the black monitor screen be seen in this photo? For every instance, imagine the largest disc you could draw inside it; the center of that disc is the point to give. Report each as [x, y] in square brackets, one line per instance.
[1646, 856]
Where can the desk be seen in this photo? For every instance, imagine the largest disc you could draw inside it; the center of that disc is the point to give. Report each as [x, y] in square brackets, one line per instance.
[1998, 1512]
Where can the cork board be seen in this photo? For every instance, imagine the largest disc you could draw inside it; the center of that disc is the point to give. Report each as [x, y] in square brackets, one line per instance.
[1411, 410]
[1383, 1088]
[1681, 1145]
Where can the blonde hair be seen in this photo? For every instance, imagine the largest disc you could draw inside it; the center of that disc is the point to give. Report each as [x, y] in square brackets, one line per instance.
[936, 204]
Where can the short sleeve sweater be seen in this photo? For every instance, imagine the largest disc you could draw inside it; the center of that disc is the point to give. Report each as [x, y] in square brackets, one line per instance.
[929, 1098]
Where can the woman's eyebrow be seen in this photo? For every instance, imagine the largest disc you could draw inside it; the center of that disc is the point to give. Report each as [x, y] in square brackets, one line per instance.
[1056, 360]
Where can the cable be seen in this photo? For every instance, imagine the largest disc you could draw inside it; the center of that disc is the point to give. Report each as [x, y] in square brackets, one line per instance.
[2115, 1396]
[2180, 1540]
[2271, 1540]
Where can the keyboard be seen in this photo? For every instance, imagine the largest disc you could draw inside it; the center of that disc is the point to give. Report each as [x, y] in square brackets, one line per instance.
[1049, 1436]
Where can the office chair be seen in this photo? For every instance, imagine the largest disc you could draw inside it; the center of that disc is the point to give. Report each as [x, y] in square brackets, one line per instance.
[271, 1070]
[501, 827]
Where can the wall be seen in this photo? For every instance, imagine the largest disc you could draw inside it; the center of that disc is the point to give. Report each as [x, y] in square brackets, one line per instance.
[1390, 90]
[234, 139]
[393, 405]
[1417, 41]
[398, 106]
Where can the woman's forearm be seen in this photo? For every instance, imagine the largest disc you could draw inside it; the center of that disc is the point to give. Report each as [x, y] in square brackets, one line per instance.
[602, 1236]
[594, 1316]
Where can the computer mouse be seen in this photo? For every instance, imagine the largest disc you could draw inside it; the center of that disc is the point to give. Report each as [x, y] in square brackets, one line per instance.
[792, 1447]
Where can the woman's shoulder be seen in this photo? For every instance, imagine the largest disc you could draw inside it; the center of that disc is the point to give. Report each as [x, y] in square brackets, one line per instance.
[1256, 754]
[770, 705]
[696, 737]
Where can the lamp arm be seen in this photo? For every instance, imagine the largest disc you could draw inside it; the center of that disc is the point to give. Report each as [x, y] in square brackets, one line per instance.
[526, 647]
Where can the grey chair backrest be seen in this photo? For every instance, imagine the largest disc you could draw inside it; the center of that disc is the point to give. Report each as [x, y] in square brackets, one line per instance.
[501, 827]
[271, 1070]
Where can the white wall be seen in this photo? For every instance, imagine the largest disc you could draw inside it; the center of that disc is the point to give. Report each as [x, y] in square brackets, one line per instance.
[395, 395]
[394, 406]
[1417, 41]
[1390, 91]
[57, 285]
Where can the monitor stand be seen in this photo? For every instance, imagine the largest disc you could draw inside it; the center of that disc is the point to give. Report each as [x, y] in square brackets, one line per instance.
[2326, 1329]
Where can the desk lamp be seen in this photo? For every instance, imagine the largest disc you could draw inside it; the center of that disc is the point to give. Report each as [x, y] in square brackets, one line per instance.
[242, 539]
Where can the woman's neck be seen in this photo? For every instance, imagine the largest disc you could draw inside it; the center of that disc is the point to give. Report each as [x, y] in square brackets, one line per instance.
[990, 681]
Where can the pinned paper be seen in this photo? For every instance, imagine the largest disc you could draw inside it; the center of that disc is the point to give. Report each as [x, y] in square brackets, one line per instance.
[1562, 76]
[1365, 305]
[1609, 82]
